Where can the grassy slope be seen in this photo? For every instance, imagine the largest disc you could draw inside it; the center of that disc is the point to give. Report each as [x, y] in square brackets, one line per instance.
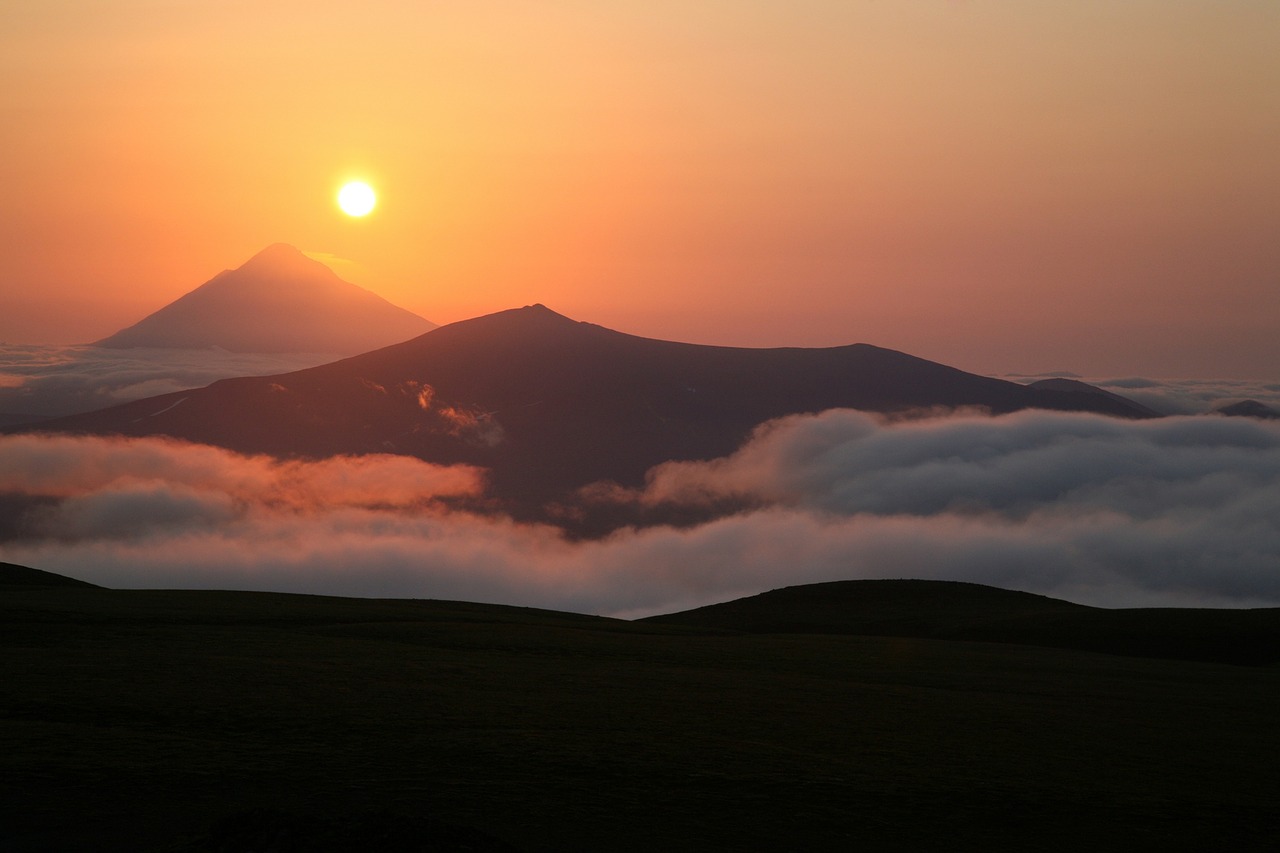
[151, 720]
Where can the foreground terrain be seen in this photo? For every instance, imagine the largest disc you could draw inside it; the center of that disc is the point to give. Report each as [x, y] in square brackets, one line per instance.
[154, 720]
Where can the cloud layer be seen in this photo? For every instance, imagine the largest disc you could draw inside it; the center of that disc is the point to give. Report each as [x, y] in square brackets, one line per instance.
[1179, 511]
[55, 380]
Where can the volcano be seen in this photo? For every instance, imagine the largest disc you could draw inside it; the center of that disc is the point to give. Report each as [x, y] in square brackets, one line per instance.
[279, 300]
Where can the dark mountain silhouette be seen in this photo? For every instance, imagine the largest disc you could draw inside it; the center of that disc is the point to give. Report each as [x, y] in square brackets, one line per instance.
[1248, 409]
[1083, 392]
[548, 404]
[278, 301]
[951, 610]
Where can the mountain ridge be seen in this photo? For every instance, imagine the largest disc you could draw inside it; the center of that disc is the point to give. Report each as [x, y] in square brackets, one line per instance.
[549, 404]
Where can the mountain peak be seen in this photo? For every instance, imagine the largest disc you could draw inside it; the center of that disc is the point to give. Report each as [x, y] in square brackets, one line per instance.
[536, 319]
[1249, 409]
[279, 300]
[538, 311]
[284, 259]
[278, 250]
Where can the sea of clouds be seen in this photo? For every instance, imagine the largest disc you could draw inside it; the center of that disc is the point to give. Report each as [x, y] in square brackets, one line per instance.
[48, 381]
[1183, 511]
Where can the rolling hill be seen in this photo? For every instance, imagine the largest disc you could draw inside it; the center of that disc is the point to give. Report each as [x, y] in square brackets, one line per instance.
[948, 610]
[152, 720]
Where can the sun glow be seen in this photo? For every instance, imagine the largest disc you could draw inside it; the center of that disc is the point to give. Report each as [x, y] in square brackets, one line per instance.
[356, 198]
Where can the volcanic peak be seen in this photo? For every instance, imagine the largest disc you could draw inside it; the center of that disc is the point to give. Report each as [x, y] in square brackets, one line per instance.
[284, 259]
[280, 300]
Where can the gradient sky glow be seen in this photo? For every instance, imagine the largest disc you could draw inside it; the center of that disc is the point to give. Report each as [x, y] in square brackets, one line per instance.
[999, 185]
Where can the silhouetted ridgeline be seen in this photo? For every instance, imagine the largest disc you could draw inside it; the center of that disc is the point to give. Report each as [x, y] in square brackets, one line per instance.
[548, 405]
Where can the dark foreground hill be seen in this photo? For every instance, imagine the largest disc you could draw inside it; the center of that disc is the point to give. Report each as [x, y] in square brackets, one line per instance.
[947, 610]
[208, 721]
[549, 405]
[278, 301]
[12, 575]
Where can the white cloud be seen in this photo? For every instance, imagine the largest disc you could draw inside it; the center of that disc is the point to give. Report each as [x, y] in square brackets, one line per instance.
[850, 462]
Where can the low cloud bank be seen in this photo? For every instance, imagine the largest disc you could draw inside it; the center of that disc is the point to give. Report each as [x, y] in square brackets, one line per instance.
[1179, 511]
[55, 380]
[1016, 467]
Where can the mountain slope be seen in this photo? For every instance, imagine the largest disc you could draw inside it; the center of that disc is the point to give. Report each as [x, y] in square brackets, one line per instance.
[278, 301]
[548, 404]
[1085, 391]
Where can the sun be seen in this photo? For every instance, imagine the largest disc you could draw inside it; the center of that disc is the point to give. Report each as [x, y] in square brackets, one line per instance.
[356, 198]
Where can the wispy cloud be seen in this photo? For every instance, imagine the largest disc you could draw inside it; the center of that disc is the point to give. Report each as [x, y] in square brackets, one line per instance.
[1178, 511]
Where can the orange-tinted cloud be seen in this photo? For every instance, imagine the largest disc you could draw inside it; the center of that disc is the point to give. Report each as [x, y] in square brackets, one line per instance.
[78, 467]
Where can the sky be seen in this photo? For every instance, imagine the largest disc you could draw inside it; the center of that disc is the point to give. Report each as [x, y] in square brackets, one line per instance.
[998, 185]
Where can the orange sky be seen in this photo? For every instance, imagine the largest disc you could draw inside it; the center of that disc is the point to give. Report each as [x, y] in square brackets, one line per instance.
[1003, 186]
